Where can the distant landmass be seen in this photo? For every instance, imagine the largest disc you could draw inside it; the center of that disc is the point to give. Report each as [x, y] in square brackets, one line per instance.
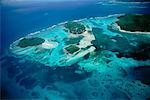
[135, 0]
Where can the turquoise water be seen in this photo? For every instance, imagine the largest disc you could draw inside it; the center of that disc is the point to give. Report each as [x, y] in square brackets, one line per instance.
[106, 66]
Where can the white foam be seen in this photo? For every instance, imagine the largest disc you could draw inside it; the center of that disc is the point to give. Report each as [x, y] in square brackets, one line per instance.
[49, 45]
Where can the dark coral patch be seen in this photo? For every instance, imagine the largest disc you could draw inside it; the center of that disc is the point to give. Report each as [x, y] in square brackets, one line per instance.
[30, 75]
[28, 82]
[100, 39]
[35, 94]
[142, 52]
[142, 73]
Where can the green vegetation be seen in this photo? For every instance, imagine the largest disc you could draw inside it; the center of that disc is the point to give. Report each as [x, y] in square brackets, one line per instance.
[25, 42]
[75, 27]
[133, 22]
[72, 48]
[134, 0]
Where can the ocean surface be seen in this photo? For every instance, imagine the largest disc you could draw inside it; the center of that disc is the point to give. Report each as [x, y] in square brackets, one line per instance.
[18, 20]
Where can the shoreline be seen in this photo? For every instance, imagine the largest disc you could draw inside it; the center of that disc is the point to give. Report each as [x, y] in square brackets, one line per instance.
[124, 18]
[124, 31]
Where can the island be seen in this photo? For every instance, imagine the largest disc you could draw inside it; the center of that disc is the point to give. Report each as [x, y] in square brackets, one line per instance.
[71, 49]
[134, 0]
[134, 22]
[26, 42]
[75, 27]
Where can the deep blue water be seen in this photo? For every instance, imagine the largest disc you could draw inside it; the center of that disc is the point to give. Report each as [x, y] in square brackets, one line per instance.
[17, 21]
